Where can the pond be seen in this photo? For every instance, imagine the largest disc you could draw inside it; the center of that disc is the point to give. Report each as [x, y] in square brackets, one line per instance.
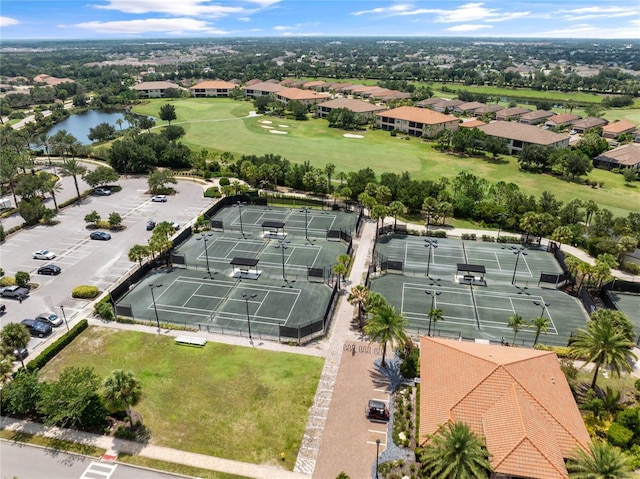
[79, 124]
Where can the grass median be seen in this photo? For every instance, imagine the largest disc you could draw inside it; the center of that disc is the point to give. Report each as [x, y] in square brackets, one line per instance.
[237, 403]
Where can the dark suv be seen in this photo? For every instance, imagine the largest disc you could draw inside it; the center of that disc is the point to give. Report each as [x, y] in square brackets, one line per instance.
[377, 411]
[37, 328]
[16, 292]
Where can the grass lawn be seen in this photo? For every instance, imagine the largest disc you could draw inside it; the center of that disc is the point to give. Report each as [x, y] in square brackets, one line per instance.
[222, 125]
[52, 443]
[237, 403]
[175, 468]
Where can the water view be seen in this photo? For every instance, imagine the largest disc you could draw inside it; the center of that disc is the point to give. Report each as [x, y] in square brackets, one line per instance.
[79, 124]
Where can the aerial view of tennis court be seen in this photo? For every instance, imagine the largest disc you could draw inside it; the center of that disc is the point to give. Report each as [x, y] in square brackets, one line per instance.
[477, 285]
[257, 269]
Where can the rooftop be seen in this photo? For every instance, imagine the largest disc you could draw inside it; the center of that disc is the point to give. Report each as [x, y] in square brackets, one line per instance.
[519, 131]
[419, 115]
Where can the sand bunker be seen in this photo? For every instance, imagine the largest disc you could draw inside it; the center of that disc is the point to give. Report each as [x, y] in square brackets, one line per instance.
[266, 122]
[266, 126]
[278, 132]
[349, 135]
[283, 126]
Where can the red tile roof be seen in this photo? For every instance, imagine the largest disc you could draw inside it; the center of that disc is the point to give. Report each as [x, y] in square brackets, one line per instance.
[619, 127]
[517, 399]
[472, 124]
[356, 106]
[298, 94]
[419, 115]
[563, 118]
[214, 85]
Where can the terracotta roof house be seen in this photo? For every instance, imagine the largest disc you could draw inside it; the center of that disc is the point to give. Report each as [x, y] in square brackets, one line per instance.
[340, 87]
[362, 109]
[475, 123]
[589, 123]
[154, 89]
[429, 102]
[51, 81]
[625, 156]
[365, 90]
[513, 113]
[253, 82]
[561, 120]
[318, 85]
[416, 121]
[263, 88]
[518, 135]
[212, 88]
[617, 128]
[489, 110]
[535, 117]
[517, 400]
[385, 96]
[468, 107]
[447, 105]
[305, 97]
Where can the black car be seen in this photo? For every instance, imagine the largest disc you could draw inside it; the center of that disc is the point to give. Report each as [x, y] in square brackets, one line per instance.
[20, 354]
[150, 225]
[37, 328]
[15, 292]
[100, 235]
[50, 269]
[377, 411]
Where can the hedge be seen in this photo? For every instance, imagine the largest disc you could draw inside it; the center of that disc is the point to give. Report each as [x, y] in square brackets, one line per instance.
[85, 292]
[53, 349]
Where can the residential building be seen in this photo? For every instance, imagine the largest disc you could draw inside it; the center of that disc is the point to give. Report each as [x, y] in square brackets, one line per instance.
[489, 110]
[212, 88]
[475, 123]
[513, 113]
[587, 124]
[625, 156]
[51, 81]
[516, 399]
[518, 135]
[429, 102]
[447, 105]
[468, 107]
[416, 121]
[535, 117]
[564, 119]
[306, 97]
[155, 89]
[617, 128]
[362, 109]
[262, 88]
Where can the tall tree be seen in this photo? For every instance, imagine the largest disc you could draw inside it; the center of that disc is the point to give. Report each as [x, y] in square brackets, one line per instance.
[138, 252]
[602, 461]
[168, 113]
[358, 296]
[74, 168]
[385, 327]
[15, 336]
[396, 208]
[516, 322]
[122, 391]
[541, 325]
[329, 170]
[455, 452]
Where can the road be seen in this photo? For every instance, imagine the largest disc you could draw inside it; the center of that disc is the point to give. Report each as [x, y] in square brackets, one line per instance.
[84, 261]
[31, 462]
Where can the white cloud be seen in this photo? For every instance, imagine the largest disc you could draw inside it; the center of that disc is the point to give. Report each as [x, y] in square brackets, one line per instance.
[183, 7]
[467, 28]
[393, 10]
[8, 21]
[174, 26]
[244, 19]
[586, 30]
[282, 28]
[590, 13]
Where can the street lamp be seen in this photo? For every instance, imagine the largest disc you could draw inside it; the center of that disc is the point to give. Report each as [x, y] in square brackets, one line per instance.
[433, 294]
[501, 216]
[543, 304]
[65, 317]
[429, 210]
[430, 244]
[153, 298]
[517, 251]
[205, 238]
[306, 210]
[247, 297]
[377, 453]
[282, 245]
[239, 205]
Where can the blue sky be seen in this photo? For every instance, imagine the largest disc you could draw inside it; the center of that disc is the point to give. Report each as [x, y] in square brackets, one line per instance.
[131, 19]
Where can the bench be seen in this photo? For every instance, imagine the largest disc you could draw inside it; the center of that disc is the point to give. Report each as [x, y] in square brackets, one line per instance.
[191, 340]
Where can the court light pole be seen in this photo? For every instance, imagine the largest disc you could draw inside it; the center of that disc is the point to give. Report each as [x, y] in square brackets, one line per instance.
[239, 205]
[282, 245]
[429, 210]
[430, 244]
[306, 210]
[518, 252]
[544, 306]
[65, 317]
[377, 455]
[433, 293]
[153, 298]
[501, 216]
[205, 238]
[247, 297]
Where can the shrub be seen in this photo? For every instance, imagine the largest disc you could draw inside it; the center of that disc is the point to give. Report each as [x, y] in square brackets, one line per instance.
[104, 310]
[224, 181]
[488, 238]
[7, 281]
[437, 234]
[213, 192]
[561, 351]
[85, 292]
[22, 278]
[618, 435]
[50, 352]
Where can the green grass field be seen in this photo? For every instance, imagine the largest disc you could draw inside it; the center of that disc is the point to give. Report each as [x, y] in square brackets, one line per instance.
[237, 403]
[222, 125]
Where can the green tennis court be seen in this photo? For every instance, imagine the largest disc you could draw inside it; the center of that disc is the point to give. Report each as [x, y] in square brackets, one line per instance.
[629, 304]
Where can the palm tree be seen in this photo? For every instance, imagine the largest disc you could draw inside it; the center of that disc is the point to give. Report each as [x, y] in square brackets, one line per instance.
[541, 324]
[52, 185]
[329, 170]
[73, 167]
[138, 252]
[386, 326]
[396, 208]
[15, 336]
[435, 315]
[122, 390]
[339, 269]
[455, 452]
[603, 344]
[602, 461]
[515, 322]
[358, 296]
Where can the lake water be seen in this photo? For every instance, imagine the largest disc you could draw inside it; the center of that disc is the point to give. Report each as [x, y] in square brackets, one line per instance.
[79, 124]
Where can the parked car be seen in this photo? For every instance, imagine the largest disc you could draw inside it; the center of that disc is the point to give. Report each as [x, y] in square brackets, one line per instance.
[20, 354]
[175, 225]
[37, 328]
[50, 269]
[102, 192]
[150, 225]
[100, 235]
[51, 318]
[159, 198]
[15, 292]
[377, 411]
[44, 254]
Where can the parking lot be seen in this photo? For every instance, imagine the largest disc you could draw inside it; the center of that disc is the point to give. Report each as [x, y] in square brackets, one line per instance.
[84, 261]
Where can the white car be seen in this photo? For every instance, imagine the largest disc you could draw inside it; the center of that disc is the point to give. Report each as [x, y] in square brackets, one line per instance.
[44, 254]
[175, 225]
[159, 198]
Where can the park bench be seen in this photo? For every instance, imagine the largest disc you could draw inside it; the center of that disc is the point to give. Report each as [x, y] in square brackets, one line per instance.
[191, 340]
